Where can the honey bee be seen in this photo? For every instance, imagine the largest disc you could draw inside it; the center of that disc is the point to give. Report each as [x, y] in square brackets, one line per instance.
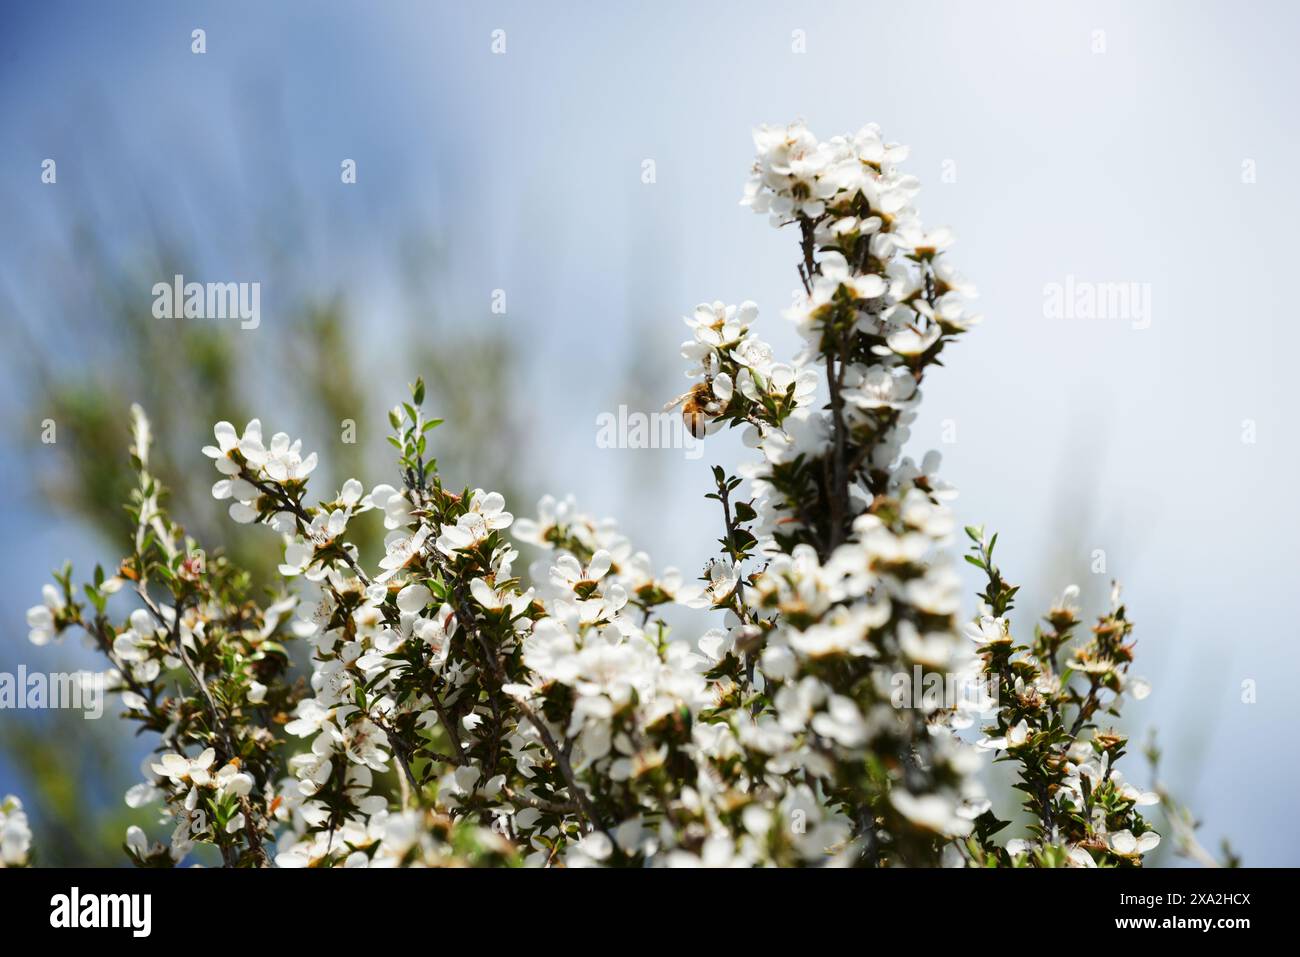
[698, 406]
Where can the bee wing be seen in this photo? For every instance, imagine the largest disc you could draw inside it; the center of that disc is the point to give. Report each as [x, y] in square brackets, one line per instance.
[678, 401]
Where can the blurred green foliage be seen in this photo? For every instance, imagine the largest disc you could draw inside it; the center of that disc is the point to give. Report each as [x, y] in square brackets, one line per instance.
[304, 373]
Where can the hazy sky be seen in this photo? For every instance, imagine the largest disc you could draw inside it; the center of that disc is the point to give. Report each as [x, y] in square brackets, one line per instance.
[1070, 144]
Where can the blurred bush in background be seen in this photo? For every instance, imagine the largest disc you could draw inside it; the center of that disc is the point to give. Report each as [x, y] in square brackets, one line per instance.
[84, 364]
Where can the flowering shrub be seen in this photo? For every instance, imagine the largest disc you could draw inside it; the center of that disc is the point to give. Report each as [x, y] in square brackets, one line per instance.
[456, 714]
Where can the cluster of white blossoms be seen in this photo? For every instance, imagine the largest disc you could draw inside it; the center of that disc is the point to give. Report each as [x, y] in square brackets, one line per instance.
[852, 583]
[459, 712]
[246, 462]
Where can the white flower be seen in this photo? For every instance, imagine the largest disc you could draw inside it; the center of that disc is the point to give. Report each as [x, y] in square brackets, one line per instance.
[414, 598]
[910, 341]
[400, 550]
[610, 669]
[437, 632]
[40, 618]
[935, 650]
[284, 460]
[15, 835]
[723, 389]
[822, 829]
[805, 432]
[988, 631]
[494, 599]
[230, 780]
[228, 441]
[1125, 844]
[723, 578]
[717, 325]
[460, 781]
[244, 494]
[791, 174]
[138, 843]
[551, 652]
[1079, 857]
[568, 574]
[754, 353]
[593, 847]
[924, 244]
[1068, 604]
[841, 722]
[1139, 688]
[882, 387]
[137, 644]
[715, 643]
[485, 515]
[843, 631]
[933, 812]
[393, 503]
[552, 516]
[299, 554]
[836, 277]
[779, 662]
[145, 792]
[1137, 795]
[1018, 846]
[351, 494]
[181, 770]
[1016, 737]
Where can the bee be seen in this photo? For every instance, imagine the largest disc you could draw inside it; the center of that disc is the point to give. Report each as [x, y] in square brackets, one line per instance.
[698, 406]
